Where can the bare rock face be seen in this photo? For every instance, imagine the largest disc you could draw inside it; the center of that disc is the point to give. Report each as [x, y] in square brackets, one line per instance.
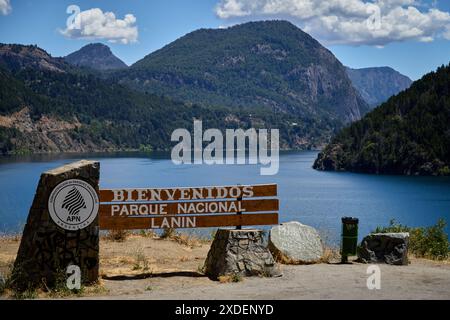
[376, 85]
[293, 242]
[48, 134]
[46, 250]
[390, 248]
[239, 252]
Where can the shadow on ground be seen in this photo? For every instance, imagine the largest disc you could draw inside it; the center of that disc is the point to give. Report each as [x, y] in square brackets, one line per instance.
[140, 276]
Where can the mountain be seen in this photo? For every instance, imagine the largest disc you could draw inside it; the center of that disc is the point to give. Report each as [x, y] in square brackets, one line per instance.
[409, 134]
[96, 56]
[265, 64]
[46, 109]
[48, 105]
[376, 85]
[15, 57]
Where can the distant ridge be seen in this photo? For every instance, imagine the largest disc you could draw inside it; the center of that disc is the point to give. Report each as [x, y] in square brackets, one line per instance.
[377, 84]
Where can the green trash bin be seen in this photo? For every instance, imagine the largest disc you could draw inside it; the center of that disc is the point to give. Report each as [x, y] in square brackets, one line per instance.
[349, 242]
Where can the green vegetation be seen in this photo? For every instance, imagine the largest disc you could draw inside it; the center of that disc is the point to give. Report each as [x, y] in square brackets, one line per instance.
[141, 261]
[120, 118]
[168, 233]
[117, 235]
[233, 277]
[271, 65]
[409, 134]
[427, 242]
[261, 75]
[57, 290]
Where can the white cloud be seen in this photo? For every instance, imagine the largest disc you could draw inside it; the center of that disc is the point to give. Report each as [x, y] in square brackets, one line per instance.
[5, 7]
[96, 24]
[376, 22]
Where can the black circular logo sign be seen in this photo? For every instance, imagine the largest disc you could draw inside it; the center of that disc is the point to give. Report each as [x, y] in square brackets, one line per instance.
[73, 204]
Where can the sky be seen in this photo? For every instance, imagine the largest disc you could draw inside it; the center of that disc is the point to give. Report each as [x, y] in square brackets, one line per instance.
[411, 36]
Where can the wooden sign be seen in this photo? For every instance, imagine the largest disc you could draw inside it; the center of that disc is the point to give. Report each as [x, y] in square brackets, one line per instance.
[171, 194]
[196, 207]
[189, 221]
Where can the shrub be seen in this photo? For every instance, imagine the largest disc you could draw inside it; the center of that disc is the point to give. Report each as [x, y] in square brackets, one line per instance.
[233, 277]
[168, 233]
[427, 242]
[117, 235]
[141, 261]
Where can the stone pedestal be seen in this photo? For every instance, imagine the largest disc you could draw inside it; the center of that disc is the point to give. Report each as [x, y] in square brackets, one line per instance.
[239, 252]
[46, 249]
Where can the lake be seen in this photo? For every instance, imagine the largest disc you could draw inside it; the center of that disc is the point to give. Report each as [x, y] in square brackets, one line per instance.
[312, 197]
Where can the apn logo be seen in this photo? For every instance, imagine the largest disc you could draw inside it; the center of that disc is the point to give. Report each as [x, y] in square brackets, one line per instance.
[74, 202]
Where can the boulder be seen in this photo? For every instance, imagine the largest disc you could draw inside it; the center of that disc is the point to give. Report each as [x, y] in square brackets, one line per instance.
[293, 242]
[239, 252]
[390, 248]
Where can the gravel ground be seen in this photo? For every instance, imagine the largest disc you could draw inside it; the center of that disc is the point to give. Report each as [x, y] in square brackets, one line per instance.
[150, 268]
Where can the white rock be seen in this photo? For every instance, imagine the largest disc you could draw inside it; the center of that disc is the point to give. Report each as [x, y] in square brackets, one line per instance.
[294, 242]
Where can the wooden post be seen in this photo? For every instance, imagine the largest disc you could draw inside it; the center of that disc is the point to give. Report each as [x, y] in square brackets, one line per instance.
[239, 227]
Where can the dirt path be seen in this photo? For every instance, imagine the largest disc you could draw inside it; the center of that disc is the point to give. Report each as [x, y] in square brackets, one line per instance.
[149, 268]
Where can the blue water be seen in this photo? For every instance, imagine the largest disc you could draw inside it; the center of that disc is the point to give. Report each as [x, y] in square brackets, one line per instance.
[312, 197]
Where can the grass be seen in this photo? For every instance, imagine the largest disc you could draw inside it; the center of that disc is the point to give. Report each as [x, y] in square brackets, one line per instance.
[58, 290]
[7, 288]
[234, 277]
[330, 255]
[141, 261]
[201, 268]
[424, 242]
[147, 233]
[168, 233]
[15, 237]
[331, 250]
[184, 259]
[212, 234]
[117, 235]
[185, 239]
[28, 294]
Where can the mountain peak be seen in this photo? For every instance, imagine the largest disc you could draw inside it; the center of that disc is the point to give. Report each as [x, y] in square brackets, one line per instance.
[377, 84]
[96, 56]
[264, 64]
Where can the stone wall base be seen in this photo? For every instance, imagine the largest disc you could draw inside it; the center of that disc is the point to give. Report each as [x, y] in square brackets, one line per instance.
[240, 252]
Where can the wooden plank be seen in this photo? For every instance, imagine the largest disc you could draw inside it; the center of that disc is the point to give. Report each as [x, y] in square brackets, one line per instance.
[194, 193]
[117, 223]
[194, 207]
